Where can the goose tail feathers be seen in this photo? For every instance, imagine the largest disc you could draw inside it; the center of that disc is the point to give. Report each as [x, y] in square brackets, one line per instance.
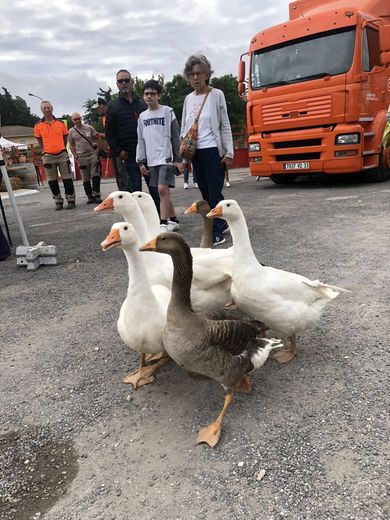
[326, 290]
[261, 350]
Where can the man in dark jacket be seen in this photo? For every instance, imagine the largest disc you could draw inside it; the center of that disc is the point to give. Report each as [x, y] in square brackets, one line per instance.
[121, 134]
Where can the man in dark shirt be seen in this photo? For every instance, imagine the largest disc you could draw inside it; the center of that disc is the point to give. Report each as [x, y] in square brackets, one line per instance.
[121, 134]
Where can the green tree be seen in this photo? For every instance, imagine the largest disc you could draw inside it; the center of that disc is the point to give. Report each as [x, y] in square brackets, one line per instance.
[14, 111]
[236, 105]
[174, 93]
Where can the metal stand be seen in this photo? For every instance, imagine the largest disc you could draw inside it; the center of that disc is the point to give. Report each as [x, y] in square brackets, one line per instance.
[26, 255]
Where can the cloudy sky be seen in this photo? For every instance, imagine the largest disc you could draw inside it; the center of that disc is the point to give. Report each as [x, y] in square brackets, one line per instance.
[65, 50]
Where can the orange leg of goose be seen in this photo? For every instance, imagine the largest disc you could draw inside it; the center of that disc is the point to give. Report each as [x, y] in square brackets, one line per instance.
[244, 386]
[211, 434]
[154, 357]
[144, 374]
[284, 356]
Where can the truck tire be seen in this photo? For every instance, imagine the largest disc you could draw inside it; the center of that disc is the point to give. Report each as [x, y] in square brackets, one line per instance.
[380, 173]
[283, 179]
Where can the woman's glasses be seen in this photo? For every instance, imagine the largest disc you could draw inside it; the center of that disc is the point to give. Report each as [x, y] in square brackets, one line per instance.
[126, 80]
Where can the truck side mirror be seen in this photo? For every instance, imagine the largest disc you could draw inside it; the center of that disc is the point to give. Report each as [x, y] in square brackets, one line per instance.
[241, 88]
[241, 71]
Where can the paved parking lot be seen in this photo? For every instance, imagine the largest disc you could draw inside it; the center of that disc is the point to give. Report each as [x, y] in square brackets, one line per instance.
[77, 444]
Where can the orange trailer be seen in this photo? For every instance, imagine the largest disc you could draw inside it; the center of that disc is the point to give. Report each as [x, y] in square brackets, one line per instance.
[318, 91]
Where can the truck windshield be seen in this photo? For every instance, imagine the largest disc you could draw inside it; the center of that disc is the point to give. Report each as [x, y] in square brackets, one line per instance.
[325, 54]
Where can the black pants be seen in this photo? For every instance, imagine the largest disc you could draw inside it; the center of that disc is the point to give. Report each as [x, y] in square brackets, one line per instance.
[134, 181]
[5, 250]
[210, 175]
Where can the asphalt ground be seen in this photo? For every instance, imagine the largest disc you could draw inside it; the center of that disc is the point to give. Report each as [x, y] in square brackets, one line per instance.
[78, 444]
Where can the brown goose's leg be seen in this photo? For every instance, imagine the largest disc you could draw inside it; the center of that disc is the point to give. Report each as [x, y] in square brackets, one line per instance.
[284, 356]
[211, 434]
[144, 374]
[244, 386]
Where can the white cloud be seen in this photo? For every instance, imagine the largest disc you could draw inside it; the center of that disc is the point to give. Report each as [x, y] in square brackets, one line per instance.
[65, 51]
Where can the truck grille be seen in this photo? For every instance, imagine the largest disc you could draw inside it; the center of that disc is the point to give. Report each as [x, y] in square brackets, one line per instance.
[303, 110]
[298, 156]
[297, 144]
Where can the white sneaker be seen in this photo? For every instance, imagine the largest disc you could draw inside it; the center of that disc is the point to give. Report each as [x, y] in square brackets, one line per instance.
[227, 184]
[186, 186]
[173, 226]
[195, 185]
[164, 228]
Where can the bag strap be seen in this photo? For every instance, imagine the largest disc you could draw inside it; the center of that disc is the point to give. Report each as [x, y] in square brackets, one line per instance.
[202, 105]
[86, 138]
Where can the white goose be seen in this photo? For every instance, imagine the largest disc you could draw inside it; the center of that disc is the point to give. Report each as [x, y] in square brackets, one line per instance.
[285, 302]
[143, 336]
[211, 282]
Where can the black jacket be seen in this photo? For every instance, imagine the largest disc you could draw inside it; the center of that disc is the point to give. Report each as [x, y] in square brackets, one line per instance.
[121, 124]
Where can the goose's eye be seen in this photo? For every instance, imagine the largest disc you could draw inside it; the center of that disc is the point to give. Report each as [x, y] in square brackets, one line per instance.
[139, 196]
[228, 205]
[125, 228]
[121, 196]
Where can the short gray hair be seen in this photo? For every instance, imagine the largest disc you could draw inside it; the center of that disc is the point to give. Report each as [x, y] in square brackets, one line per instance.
[197, 59]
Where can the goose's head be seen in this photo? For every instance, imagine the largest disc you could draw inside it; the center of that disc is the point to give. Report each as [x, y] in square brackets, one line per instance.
[122, 234]
[168, 243]
[145, 202]
[118, 201]
[228, 209]
[200, 206]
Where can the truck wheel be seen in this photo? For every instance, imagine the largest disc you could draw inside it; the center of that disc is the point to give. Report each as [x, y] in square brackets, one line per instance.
[283, 179]
[380, 173]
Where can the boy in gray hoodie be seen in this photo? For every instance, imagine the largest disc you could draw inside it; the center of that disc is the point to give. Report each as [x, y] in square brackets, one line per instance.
[158, 151]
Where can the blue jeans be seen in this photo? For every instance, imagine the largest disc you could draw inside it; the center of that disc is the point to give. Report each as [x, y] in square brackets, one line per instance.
[210, 175]
[187, 176]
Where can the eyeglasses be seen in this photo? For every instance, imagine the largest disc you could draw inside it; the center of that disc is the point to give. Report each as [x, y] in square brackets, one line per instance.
[76, 119]
[150, 93]
[126, 80]
[193, 74]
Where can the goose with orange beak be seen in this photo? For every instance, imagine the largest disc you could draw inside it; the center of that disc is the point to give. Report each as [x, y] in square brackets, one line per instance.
[143, 336]
[285, 302]
[224, 350]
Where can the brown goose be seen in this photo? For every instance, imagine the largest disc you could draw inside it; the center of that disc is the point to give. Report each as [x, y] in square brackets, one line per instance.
[202, 208]
[224, 350]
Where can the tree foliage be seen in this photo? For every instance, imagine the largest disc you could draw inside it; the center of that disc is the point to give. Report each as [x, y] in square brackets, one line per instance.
[14, 111]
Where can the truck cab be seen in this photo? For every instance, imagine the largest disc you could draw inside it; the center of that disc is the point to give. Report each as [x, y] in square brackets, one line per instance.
[318, 91]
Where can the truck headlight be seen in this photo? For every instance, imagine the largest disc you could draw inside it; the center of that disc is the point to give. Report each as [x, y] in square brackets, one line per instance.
[348, 139]
[254, 147]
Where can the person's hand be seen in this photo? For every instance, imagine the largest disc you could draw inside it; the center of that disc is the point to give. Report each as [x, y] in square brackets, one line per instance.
[123, 155]
[227, 160]
[180, 166]
[144, 171]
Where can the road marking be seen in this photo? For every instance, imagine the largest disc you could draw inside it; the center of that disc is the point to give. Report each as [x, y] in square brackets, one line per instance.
[344, 198]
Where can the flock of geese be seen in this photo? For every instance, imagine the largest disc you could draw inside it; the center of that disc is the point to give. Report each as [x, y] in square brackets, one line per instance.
[177, 298]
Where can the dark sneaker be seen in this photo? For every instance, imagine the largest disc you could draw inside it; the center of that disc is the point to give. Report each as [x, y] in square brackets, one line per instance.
[226, 228]
[91, 200]
[218, 240]
[59, 207]
[98, 199]
[71, 205]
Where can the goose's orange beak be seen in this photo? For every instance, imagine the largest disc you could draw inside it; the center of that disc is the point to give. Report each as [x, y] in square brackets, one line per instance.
[113, 239]
[216, 212]
[149, 246]
[107, 203]
[192, 209]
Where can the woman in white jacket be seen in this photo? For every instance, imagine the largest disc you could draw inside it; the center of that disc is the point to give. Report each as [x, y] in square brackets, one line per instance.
[215, 142]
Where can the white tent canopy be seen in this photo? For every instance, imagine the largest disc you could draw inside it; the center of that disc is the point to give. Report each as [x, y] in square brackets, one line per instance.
[4, 143]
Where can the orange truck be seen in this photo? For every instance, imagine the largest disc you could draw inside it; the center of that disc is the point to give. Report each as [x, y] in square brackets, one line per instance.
[318, 90]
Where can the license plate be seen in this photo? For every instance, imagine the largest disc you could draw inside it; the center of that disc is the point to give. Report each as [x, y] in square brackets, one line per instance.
[296, 166]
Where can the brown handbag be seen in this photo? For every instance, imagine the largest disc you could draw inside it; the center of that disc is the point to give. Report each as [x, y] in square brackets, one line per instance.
[190, 140]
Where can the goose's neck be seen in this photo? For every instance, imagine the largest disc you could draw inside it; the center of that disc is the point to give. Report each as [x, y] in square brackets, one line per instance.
[138, 278]
[182, 279]
[207, 236]
[136, 218]
[242, 244]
